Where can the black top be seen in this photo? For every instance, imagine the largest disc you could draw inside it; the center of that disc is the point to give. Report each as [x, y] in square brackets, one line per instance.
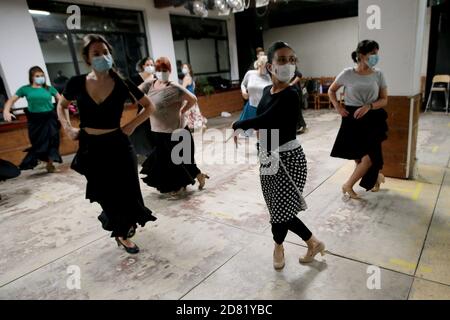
[137, 79]
[107, 114]
[275, 111]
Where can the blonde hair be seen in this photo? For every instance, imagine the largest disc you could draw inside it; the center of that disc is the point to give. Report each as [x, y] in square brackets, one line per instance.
[262, 60]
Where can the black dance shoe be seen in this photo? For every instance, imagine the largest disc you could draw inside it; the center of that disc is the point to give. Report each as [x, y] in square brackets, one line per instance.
[132, 250]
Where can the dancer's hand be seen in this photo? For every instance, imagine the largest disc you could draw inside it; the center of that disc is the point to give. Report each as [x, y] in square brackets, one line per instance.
[361, 112]
[342, 111]
[128, 130]
[8, 116]
[72, 133]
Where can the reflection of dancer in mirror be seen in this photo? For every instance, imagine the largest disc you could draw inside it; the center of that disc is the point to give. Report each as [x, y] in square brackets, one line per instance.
[171, 101]
[193, 117]
[283, 166]
[364, 126]
[43, 127]
[105, 155]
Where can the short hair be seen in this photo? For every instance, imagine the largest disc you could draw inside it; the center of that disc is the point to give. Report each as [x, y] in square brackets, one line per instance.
[163, 63]
[258, 50]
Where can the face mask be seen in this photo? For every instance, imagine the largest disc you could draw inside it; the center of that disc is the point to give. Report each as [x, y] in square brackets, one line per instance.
[284, 73]
[39, 80]
[163, 76]
[185, 71]
[373, 60]
[149, 69]
[102, 63]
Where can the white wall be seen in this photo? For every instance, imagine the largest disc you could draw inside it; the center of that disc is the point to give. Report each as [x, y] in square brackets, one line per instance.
[401, 38]
[20, 47]
[323, 48]
[426, 42]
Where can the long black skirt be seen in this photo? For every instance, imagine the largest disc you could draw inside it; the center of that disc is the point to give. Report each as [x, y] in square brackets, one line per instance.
[109, 164]
[360, 137]
[165, 174]
[43, 132]
[140, 138]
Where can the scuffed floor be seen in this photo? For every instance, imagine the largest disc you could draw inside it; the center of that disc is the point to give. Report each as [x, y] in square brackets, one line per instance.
[216, 243]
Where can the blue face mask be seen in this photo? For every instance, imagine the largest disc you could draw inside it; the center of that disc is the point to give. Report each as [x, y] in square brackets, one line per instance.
[373, 60]
[39, 80]
[102, 63]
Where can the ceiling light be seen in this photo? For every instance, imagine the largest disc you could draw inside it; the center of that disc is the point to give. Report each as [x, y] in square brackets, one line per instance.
[39, 12]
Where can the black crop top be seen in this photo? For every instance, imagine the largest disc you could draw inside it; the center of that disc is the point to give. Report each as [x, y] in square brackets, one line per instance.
[107, 114]
[275, 111]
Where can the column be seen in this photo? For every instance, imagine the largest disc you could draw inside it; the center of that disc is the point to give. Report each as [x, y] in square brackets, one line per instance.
[398, 26]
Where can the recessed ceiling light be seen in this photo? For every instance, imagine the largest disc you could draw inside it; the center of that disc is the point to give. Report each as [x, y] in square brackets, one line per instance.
[39, 12]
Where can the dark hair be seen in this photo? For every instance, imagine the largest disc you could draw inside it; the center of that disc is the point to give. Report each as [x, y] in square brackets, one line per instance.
[258, 50]
[32, 72]
[275, 47]
[191, 73]
[89, 40]
[364, 47]
[141, 62]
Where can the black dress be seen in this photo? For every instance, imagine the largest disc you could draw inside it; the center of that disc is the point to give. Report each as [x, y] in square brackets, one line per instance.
[108, 161]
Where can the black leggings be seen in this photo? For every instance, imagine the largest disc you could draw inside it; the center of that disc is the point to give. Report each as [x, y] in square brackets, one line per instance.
[280, 230]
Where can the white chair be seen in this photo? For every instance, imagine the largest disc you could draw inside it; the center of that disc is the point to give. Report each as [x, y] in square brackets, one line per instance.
[440, 79]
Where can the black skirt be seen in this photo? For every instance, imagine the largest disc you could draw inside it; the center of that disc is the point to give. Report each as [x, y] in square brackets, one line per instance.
[360, 137]
[8, 170]
[43, 132]
[141, 139]
[162, 173]
[109, 164]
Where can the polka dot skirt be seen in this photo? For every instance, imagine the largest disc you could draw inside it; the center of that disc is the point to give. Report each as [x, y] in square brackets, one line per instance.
[283, 177]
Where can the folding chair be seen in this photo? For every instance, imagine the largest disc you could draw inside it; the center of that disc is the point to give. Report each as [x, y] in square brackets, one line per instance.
[440, 79]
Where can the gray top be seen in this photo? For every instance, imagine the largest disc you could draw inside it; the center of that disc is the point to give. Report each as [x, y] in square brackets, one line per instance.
[361, 89]
[168, 102]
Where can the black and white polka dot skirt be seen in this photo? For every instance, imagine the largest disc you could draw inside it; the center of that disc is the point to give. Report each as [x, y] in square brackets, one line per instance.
[283, 177]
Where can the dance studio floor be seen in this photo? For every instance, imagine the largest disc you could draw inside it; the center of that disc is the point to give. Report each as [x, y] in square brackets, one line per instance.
[216, 243]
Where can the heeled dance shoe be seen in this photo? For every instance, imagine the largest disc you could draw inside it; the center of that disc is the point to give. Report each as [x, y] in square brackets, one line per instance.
[202, 180]
[131, 250]
[352, 194]
[381, 179]
[309, 257]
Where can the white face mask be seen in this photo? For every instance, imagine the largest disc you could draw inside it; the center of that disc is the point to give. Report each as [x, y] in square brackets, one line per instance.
[185, 70]
[284, 73]
[163, 76]
[149, 69]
